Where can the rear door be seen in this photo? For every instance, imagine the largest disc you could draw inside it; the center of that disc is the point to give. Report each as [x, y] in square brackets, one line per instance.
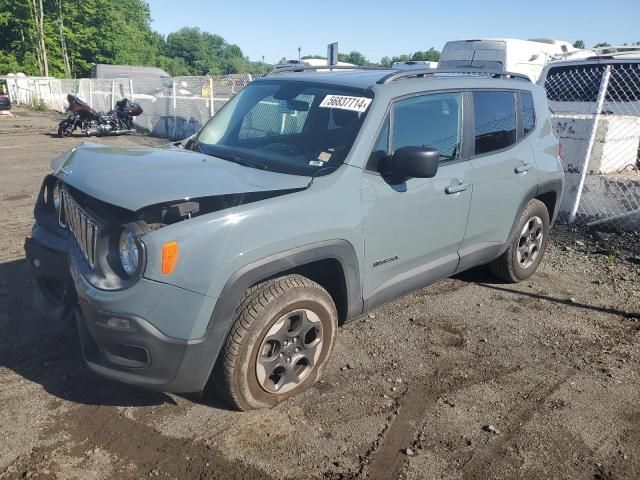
[504, 172]
[413, 229]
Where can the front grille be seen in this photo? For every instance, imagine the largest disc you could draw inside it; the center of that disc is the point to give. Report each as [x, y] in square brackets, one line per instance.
[81, 225]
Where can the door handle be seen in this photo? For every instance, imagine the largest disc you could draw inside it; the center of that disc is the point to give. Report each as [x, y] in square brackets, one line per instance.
[461, 187]
[524, 168]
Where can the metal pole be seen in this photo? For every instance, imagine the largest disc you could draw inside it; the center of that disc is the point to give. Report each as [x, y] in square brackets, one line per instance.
[131, 88]
[91, 93]
[173, 130]
[602, 93]
[211, 107]
[113, 94]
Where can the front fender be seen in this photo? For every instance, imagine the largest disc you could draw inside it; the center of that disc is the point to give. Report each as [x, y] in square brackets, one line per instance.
[268, 267]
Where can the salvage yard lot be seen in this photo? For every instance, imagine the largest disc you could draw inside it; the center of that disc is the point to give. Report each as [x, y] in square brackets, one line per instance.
[551, 364]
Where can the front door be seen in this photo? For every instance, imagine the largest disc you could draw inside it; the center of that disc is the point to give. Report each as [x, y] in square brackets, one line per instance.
[413, 229]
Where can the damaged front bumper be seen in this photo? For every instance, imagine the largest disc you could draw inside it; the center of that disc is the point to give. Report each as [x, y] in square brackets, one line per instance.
[127, 347]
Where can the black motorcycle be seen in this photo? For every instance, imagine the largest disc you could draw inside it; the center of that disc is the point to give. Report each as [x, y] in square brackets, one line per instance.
[90, 122]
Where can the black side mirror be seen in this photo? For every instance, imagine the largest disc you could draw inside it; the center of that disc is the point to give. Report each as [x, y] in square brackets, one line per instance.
[414, 162]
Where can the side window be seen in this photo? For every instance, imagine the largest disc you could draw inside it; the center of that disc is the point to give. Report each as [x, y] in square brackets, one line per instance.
[429, 121]
[380, 148]
[527, 114]
[495, 121]
[273, 117]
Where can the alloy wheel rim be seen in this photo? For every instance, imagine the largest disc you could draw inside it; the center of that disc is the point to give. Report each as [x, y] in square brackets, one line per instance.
[530, 242]
[289, 351]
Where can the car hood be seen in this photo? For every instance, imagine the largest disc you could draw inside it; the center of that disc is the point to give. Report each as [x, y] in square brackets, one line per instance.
[134, 178]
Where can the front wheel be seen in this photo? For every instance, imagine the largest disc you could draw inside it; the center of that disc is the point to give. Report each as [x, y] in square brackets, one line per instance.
[527, 247]
[282, 336]
[65, 128]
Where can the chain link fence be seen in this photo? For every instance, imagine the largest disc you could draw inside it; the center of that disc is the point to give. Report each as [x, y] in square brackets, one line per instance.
[596, 114]
[173, 108]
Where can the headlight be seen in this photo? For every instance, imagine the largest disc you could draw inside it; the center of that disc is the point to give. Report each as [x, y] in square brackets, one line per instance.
[129, 252]
[56, 196]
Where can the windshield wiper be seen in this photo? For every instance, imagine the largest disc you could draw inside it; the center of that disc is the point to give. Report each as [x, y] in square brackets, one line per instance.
[230, 157]
[245, 163]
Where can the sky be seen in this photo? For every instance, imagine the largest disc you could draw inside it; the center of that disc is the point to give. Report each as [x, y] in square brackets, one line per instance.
[276, 29]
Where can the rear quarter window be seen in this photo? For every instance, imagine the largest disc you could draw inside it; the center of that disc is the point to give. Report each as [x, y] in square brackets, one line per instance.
[527, 112]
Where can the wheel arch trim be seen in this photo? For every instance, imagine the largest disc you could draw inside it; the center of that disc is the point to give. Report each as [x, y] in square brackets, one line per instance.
[270, 266]
[546, 187]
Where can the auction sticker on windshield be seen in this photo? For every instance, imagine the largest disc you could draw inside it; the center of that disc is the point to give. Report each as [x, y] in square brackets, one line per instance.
[344, 102]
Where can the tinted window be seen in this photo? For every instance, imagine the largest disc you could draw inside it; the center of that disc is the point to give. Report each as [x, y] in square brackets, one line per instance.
[624, 84]
[581, 83]
[429, 121]
[574, 83]
[528, 114]
[495, 121]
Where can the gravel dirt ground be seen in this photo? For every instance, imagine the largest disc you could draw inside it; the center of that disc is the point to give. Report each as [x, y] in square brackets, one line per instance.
[467, 379]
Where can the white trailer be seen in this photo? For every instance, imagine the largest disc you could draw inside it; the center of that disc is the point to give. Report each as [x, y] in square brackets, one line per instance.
[507, 54]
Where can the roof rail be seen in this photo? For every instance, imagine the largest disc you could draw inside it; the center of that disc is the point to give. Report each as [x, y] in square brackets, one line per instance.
[302, 68]
[392, 77]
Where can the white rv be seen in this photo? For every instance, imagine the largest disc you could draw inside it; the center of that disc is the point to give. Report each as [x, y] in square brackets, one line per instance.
[507, 54]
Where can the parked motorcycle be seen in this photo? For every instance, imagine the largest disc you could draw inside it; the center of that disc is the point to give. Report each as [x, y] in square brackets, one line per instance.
[90, 122]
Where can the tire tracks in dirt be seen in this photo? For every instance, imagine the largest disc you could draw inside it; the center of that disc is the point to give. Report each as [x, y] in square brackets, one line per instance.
[386, 459]
[475, 466]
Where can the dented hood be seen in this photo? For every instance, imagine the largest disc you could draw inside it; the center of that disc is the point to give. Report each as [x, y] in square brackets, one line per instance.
[134, 178]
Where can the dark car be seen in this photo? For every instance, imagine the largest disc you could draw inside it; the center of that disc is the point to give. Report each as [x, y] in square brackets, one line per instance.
[5, 101]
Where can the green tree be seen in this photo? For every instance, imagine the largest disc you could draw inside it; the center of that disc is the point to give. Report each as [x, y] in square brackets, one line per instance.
[579, 44]
[602, 44]
[431, 55]
[17, 31]
[66, 37]
[204, 52]
[356, 58]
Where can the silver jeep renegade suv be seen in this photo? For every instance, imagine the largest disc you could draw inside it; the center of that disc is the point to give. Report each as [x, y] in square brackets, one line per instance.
[309, 199]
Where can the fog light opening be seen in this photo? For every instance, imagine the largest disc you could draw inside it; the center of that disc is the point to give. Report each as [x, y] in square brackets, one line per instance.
[118, 323]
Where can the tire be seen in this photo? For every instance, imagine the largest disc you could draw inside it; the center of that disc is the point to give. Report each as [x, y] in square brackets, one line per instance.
[531, 236]
[64, 129]
[278, 345]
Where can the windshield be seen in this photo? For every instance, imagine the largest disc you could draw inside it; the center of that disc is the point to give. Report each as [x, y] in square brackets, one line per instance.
[299, 128]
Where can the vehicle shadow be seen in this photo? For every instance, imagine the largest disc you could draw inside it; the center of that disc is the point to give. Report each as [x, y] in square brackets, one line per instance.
[42, 351]
[482, 276]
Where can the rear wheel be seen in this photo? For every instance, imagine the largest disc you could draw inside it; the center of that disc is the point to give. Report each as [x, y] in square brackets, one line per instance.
[527, 247]
[279, 343]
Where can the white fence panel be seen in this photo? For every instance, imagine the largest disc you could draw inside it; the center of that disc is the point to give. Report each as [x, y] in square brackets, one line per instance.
[172, 108]
[596, 115]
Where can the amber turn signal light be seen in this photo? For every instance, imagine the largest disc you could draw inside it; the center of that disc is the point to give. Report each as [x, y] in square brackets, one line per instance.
[169, 257]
